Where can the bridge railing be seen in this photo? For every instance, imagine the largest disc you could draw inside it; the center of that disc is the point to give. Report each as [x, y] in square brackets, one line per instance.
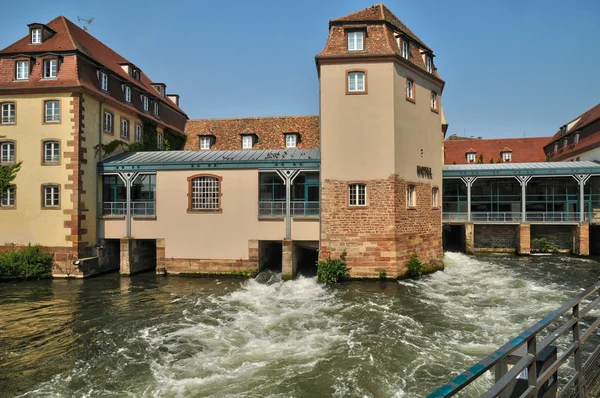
[585, 380]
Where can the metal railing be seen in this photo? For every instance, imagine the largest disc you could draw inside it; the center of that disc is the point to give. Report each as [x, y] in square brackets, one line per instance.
[584, 382]
[496, 217]
[137, 208]
[514, 217]
[298, 208]
[554, 217]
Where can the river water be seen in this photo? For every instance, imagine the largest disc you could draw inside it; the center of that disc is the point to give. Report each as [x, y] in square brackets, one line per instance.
[151, 336]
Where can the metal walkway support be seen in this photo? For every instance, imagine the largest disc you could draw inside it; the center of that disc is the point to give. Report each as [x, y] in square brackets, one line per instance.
[583, 383]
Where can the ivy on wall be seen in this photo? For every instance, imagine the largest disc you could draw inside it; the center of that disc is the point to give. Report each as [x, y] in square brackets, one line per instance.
[173, 141]
[7, 175]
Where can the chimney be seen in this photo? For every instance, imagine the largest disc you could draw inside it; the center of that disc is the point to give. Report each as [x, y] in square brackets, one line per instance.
[174, 98]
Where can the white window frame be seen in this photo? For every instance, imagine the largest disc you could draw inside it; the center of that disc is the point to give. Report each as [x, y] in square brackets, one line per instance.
[51, 196]
[51, 148]
[8, 198]
[411, 195]
[125, 129]
[471, 157]
[247, 141]
[356, 82]
[576, 138]
[205, 193]
[429, 63]
[357, 195]
[566, 142]
[22, 70]
[405, 48]
[7, 152]
[127, 91]
[291, 140]
[108, 122]
[52, 111]
[36, 36]
[356, 40]
[138, 133]
[160, 141]
[435, 197]
[156, 108]
[506, 156]
[205, 143]
[50, 66]
[145, 103]
[410, 89]
[555, 147]
[434, 100]
[103, 81]
[9, 113]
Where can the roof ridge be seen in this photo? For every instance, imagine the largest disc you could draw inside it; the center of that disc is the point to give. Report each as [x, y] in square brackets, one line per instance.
[69, 34]
[250, 117]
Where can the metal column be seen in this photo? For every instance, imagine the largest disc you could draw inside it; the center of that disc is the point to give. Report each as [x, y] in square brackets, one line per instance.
[469, 183]
[582, 179]
[523, 180]
[128, 179]
[288, 176]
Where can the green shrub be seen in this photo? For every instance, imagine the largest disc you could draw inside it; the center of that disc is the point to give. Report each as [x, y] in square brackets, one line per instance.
[332, 271]
[27, 262]
[544, 245]
[414, 266]
[383, 274]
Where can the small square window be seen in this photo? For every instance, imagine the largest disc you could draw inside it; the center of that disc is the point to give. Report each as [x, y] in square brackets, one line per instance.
[355, 41]
[204, 143]
[50, 68]
[8, 113]
[247, 142]
[356, 82]
[36, 36]
[51, 152]
[357, 195]
[435, 197]
[411, 196]
[51, 196]
[290, 141]
[52, 111]
[506, 156]
[7, 152]
[7, 199]
[405, 48]
[471, 157]
[103, 81]
[22, 70]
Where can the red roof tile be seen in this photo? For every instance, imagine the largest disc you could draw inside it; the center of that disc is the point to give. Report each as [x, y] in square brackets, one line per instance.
[528, 149]
[589, 116]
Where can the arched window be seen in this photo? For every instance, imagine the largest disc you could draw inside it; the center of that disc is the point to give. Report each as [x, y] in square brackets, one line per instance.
[204, 193]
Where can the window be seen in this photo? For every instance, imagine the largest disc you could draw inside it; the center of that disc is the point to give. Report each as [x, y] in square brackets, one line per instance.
[410, 89]
[108, 122]
[204, 193]
[124, 128]
[22, 70]
[156, 108]
[7, 199]
[103, 81]
[159, 141]
[52, 111]
[576, 138]
[8, 113]
[355, 41]
[7, 152]
[127, 91]
[290, 140]
[356, 82]
[405, 49]
[204, 143]
[506, 156]
[357, 195]
[434, 101]
[411, 196]
[51, 151]
[555, 147]
[145, 103]
[429, 63]
[471, 157]
[247, 142]
[138, 133]
[50, 68]
[36, 36]
[51, 196]
[565, 142]
[435, 197]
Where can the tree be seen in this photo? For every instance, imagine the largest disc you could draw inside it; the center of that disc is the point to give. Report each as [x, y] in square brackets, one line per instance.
[7, 175]
[492, 160]
[480, 159]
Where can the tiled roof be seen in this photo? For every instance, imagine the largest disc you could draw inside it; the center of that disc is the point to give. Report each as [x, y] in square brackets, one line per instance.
[269, 131]
[585, 119]
[70, 38]
[527, 149]
[589, 125]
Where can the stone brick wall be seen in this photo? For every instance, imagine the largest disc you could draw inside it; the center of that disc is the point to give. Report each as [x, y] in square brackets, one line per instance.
[496, 237]
[269, 131]
[384, 234]
[561, 235]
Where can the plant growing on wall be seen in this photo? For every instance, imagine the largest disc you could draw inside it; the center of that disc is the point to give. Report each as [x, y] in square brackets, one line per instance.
[544, 245]
[414, 266]
[333, 271]
[7, 175]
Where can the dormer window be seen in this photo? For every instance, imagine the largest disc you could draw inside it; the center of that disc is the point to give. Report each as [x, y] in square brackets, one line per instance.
[103, 81]
[145, 103]
[50, 68]
[506, 156]
[22, 70]
[565, 142]
[156, 109]
[471, 157]
[247, 141]
[429, 63]
[576, 138]
[555, 147]
[135, 73]
[291, 140]
[206, 141]
[127, 93]
[355, 41]
[405, 48]
[36, 36]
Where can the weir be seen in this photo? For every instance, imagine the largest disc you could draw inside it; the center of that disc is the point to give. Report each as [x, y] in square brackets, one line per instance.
[531, 347]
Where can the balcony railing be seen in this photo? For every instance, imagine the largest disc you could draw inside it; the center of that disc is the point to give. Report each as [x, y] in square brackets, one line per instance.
[554, 217]
[298, 208]
[503, 217]
[515, 217]
[137, 208]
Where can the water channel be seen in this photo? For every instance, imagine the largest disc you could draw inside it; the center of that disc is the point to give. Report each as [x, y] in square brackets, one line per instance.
[149, 336]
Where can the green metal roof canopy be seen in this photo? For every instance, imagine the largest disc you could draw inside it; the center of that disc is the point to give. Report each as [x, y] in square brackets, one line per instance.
[194, 160]
[515, 169]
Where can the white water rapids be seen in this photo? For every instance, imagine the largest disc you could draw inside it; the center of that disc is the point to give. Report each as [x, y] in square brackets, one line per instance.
[176, 337]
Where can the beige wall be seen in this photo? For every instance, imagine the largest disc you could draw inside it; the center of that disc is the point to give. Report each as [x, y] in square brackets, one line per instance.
[29, 223]
[357, 140]
[222, 235]
[418, 136]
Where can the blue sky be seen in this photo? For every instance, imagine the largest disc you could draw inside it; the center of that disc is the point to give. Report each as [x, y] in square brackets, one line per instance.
[512, 67]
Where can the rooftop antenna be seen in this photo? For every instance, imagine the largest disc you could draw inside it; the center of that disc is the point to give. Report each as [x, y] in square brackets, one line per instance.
[85, 22]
